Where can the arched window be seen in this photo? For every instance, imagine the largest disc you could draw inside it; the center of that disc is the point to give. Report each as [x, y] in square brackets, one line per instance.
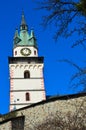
[27, 96]
[34, 52]
[15, 53]
[26, 74]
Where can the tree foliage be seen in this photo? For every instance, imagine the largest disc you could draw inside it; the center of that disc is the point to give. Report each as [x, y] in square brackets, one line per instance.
[68, 17]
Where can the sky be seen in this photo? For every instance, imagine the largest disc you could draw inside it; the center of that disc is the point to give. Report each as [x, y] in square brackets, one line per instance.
[56, 74]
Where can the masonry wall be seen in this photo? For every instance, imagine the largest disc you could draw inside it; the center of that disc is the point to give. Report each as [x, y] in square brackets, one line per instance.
[6, 126]
[49, 110]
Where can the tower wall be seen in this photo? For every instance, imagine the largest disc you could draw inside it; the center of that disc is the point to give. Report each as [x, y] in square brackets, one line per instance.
[19, 86]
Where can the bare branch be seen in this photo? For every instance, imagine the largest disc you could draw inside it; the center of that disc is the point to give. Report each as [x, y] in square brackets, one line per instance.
[62, 14]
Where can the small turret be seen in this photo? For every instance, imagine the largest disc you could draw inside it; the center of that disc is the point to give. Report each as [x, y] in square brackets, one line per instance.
[32, 39]
[16, 38]
[16, 33]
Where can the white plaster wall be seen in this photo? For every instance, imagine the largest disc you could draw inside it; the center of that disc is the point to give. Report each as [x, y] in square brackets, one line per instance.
[35, 82]
[20, 55]
[18, 106]
[36, 70]
[35, 96]
[27, 84]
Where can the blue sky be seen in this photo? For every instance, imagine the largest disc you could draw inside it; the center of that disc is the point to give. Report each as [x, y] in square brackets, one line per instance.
[57, 75]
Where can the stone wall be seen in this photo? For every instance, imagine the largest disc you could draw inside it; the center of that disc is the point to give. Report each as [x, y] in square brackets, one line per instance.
[48, 111]
[40, 113]
[6, 126]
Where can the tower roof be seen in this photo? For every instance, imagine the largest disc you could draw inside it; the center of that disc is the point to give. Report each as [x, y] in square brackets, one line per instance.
[24, 38]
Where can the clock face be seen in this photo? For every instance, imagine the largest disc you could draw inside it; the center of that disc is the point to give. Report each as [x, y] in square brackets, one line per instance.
[25, 51]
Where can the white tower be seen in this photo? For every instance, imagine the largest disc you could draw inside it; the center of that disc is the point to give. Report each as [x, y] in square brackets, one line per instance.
[26, 70]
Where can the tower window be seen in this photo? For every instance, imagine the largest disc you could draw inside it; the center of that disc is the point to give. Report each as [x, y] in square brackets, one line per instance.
[34, 52]
[27, 96]
[26, 74]
[15, 52]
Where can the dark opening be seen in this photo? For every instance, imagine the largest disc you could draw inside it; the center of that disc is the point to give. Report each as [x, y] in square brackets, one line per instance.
[34, 52]
[15, 52]
[27, 96]
[26, 74]
[18, 123]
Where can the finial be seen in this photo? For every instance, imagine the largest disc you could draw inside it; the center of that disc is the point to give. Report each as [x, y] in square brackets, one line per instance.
[32, 33]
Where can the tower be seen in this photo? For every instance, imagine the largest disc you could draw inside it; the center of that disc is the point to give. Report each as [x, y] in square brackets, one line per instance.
[26, 69]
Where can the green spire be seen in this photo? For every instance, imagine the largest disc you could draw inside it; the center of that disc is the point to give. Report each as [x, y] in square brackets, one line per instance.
[23, 25]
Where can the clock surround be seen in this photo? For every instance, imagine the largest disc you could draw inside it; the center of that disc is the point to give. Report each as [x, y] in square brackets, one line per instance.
[25, 51]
